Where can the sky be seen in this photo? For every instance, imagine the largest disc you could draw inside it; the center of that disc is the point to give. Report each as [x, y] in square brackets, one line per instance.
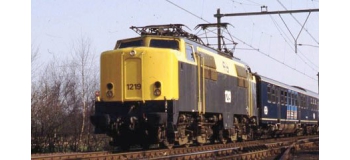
[265, 42]
[53, 25]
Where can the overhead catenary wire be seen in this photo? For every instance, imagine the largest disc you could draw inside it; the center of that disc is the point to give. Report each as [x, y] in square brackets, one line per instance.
[250, 20]
[298, 22]
[290, 42]
[259, 51]
[275, 59]
[235, 1]
[255, 2]
[187, 11]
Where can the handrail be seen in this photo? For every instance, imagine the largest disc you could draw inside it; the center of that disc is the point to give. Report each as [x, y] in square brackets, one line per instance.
[203, 86]
[199, 84]
[122, 81]
[142, 86]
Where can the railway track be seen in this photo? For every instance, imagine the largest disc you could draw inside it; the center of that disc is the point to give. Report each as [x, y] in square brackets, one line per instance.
[259, 149]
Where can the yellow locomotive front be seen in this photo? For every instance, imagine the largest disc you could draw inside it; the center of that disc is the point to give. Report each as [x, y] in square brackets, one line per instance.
[138, 80]
[141, 69]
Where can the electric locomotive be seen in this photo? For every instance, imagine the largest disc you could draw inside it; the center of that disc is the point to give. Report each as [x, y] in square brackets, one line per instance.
[166, 87]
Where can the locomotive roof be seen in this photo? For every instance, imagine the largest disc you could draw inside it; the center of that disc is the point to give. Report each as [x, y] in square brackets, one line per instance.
[190, 41]
[294, 88]
[196, 44]
[177, 30]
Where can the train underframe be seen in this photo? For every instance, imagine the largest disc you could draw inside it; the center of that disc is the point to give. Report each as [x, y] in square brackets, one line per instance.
[136, 123]
[271, 130]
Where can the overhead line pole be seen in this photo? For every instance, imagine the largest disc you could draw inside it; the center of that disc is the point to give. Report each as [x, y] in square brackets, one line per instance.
[219, 30]
[218, 15]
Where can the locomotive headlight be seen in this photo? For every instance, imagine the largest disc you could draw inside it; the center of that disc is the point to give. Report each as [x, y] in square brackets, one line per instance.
[110, 86]
[157, 88]
[157, 84]
[157, 92]
[109, 94]
[132, 53]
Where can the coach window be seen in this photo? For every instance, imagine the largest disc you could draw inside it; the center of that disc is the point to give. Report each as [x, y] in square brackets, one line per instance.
[311, 103]
[302, 98]
[189, 52]
[269, 93]
[304, 102]
[285, 96]
[288, 98]
[297, 99]
[273, 95]
[277, 92]
[282, 97]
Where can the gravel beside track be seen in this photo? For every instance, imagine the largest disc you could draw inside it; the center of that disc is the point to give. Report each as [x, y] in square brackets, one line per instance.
[259, 149]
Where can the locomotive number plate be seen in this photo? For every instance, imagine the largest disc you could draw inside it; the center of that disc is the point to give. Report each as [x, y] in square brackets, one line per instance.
[133, 86]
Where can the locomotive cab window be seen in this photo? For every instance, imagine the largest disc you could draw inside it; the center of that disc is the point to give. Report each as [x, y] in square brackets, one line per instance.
[189, 53]
[126, 44]
[162, 43]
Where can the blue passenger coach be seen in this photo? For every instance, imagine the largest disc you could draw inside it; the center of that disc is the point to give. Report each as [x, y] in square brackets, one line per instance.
[285, 109]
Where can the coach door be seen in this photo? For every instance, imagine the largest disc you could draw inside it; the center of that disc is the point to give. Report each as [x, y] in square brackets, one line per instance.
[278, 103]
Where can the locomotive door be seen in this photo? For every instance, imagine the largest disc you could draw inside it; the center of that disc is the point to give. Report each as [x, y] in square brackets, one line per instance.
[200, 84]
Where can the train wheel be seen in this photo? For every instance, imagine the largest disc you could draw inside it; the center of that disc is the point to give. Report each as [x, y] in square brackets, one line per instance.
[145, 143]
[164, 138]
[125, 147]
[222, 137]
[167, 144]
[125, 141]
[223, 141]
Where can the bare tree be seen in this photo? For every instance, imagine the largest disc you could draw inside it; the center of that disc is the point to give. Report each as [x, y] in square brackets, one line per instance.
[62, 99]
[47, 110]
[35, 64]
[84, 60]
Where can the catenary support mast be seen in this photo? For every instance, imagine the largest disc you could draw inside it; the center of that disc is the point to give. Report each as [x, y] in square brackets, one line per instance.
[218, 15]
